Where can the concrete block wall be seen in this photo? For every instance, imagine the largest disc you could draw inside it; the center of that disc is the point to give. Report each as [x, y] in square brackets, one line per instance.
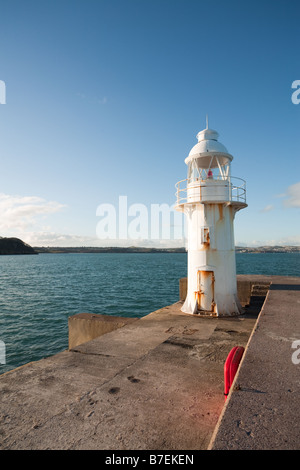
[84, 327]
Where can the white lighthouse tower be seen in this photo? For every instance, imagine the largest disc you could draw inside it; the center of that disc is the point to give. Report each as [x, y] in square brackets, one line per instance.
[210, 197]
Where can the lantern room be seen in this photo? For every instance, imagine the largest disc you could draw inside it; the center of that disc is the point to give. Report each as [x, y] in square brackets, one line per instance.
[209, 174]
[208, 159]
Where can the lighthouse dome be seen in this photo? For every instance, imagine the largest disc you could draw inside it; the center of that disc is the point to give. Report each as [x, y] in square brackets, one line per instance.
[208, 151]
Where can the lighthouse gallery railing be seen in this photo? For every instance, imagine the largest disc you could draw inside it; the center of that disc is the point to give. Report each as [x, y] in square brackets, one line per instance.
[236, 187]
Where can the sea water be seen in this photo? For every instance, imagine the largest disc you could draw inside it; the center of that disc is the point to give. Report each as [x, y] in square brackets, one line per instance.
[39, 293]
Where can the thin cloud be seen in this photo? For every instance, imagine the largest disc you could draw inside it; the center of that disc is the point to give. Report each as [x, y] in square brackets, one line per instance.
[267, 208]
[290, 241]
[293, 196]
[21, 212]
[103, 100]
[50, 238]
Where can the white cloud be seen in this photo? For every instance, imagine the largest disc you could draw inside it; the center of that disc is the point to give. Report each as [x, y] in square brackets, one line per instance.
[21, 212]
[48, 238]
[26, 217]
[293, 196]
[282, 241]
[267, 208]
[293, 240]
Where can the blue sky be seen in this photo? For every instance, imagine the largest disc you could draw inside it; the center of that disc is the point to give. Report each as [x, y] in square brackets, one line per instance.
[104, 98]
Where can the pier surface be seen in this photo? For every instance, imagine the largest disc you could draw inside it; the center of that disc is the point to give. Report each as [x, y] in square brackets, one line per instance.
[158, 383]
[262, 411]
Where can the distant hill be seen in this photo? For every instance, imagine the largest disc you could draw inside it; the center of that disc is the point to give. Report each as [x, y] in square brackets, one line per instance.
[86, 249]
[134, 249]
[15, 246]
[268, 249]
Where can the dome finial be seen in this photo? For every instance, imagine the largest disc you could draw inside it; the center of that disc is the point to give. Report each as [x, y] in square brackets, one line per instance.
[207, 121]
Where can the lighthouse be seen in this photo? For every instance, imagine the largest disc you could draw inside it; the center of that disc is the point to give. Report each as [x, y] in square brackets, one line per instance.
[210, 198]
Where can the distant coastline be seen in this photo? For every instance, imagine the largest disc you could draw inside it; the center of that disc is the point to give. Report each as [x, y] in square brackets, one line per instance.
[86, 249]
[133, 249]
[15, 246]
[268, 249]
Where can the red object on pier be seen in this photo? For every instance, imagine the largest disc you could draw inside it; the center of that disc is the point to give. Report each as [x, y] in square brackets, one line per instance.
[231, 366]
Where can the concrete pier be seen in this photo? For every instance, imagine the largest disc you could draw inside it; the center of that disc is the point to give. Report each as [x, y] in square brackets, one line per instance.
[158, 382]
[262, 410]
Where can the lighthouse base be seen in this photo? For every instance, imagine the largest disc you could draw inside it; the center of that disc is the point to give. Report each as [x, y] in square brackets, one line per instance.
[226, 307]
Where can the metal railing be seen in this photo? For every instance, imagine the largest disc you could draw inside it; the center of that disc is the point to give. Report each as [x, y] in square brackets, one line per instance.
[189, 190]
